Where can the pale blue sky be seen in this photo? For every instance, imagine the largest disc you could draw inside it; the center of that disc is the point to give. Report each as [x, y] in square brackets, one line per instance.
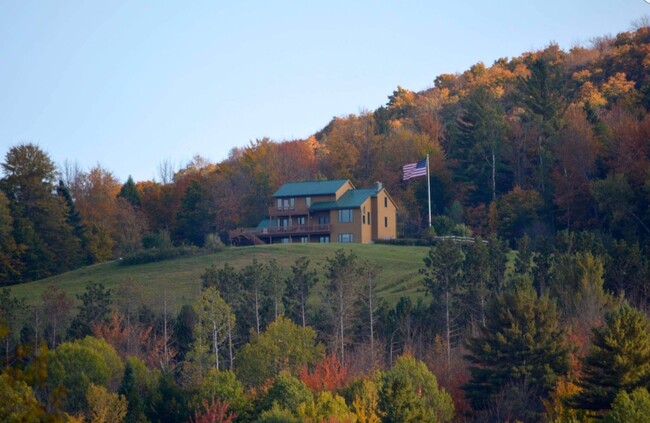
[128, 84]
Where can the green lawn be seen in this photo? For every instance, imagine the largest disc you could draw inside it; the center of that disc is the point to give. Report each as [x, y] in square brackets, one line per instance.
[179, 279]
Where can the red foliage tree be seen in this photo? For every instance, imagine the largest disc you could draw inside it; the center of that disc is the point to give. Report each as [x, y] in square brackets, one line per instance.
[328, 374]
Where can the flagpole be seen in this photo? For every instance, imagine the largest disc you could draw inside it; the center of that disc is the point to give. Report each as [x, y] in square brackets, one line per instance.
[429, 189]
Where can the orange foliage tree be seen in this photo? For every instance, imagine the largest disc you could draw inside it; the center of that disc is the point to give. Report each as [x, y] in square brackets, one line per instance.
[327, 375]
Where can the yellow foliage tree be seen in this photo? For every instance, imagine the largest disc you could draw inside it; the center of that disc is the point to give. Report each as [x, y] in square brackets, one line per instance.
[104, 406]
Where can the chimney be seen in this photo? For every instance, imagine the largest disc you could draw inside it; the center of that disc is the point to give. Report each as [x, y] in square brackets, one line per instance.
[379, 186]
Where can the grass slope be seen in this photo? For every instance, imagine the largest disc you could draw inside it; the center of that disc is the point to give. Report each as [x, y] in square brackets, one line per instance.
[179, 279]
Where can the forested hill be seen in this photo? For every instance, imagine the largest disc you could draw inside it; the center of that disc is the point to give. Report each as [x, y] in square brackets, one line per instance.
[547, 141]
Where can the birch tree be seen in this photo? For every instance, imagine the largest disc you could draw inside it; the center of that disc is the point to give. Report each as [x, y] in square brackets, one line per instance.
[343, 274]
[214, 317]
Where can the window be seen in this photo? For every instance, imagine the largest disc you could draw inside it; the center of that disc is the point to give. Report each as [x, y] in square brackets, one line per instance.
[308, 201]
[364, 219]
[345, 216]
[279, 203]
[363, 214]
[324, 239]
[287, 204]
[285, 240]
[323, 220]
[385, 201]
[346, 238]
[368, 218]
[385, 222]
[304, 239]
[301, 220]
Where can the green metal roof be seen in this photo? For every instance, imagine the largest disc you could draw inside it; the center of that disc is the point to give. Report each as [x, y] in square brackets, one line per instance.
[264, 224]
[309, 188]
[350, 200]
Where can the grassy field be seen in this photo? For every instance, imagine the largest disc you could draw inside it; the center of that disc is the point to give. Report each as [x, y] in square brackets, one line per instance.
[179, 279]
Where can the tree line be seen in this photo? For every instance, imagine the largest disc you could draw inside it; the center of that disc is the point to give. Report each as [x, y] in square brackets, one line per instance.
[548, 335]
[551, 140]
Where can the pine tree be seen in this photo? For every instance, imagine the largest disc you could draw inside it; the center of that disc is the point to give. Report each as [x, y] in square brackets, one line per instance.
[299, 285]
[39, 214]
[10, 266]
[130, 193]
[443, 280]
[195, 218]
[619, 359]
[520, 344]
[128, 388]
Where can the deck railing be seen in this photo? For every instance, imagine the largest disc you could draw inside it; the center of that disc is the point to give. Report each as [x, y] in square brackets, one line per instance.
[283, 230]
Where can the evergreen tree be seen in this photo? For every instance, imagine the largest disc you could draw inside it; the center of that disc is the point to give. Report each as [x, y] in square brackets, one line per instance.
[619, 359]
[299, 285]
[94, 308]
[130, 193]
[195, 217]
[521, 343]
[477, 279]
[10, 266]
[128, 388]
[443, 280]
[78, 256]
[39, 214]
[478, 147]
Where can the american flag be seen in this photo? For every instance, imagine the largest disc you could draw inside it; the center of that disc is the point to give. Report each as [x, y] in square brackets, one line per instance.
[413, 170]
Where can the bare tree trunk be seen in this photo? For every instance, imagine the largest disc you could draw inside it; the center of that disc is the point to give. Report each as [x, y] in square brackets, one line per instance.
[372, 332]
[230, 344]
[165, 337]
[494, 177]
[215, 344]
[302, 308]
[341, 326]
[448, 326]
[257, 312]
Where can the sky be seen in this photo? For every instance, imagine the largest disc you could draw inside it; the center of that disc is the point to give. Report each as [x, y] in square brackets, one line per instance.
[129, 85]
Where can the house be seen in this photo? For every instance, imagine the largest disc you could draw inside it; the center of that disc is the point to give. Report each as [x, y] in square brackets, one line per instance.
[324, 211]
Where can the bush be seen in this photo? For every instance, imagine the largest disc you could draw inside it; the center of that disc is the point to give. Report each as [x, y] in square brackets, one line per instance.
[213, 243]
[405, 242]
[160, 239]
[155, 254]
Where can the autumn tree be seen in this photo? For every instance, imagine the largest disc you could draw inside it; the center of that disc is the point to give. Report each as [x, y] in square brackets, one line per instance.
[56, 305]
[96, 200]
[282, 346]
[214, 316]
[576, 157]
[105, 406]
[226, 280]
[410, 393]
[78, 364]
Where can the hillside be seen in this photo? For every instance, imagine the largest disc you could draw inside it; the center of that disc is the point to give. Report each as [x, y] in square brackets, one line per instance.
[181, 277]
